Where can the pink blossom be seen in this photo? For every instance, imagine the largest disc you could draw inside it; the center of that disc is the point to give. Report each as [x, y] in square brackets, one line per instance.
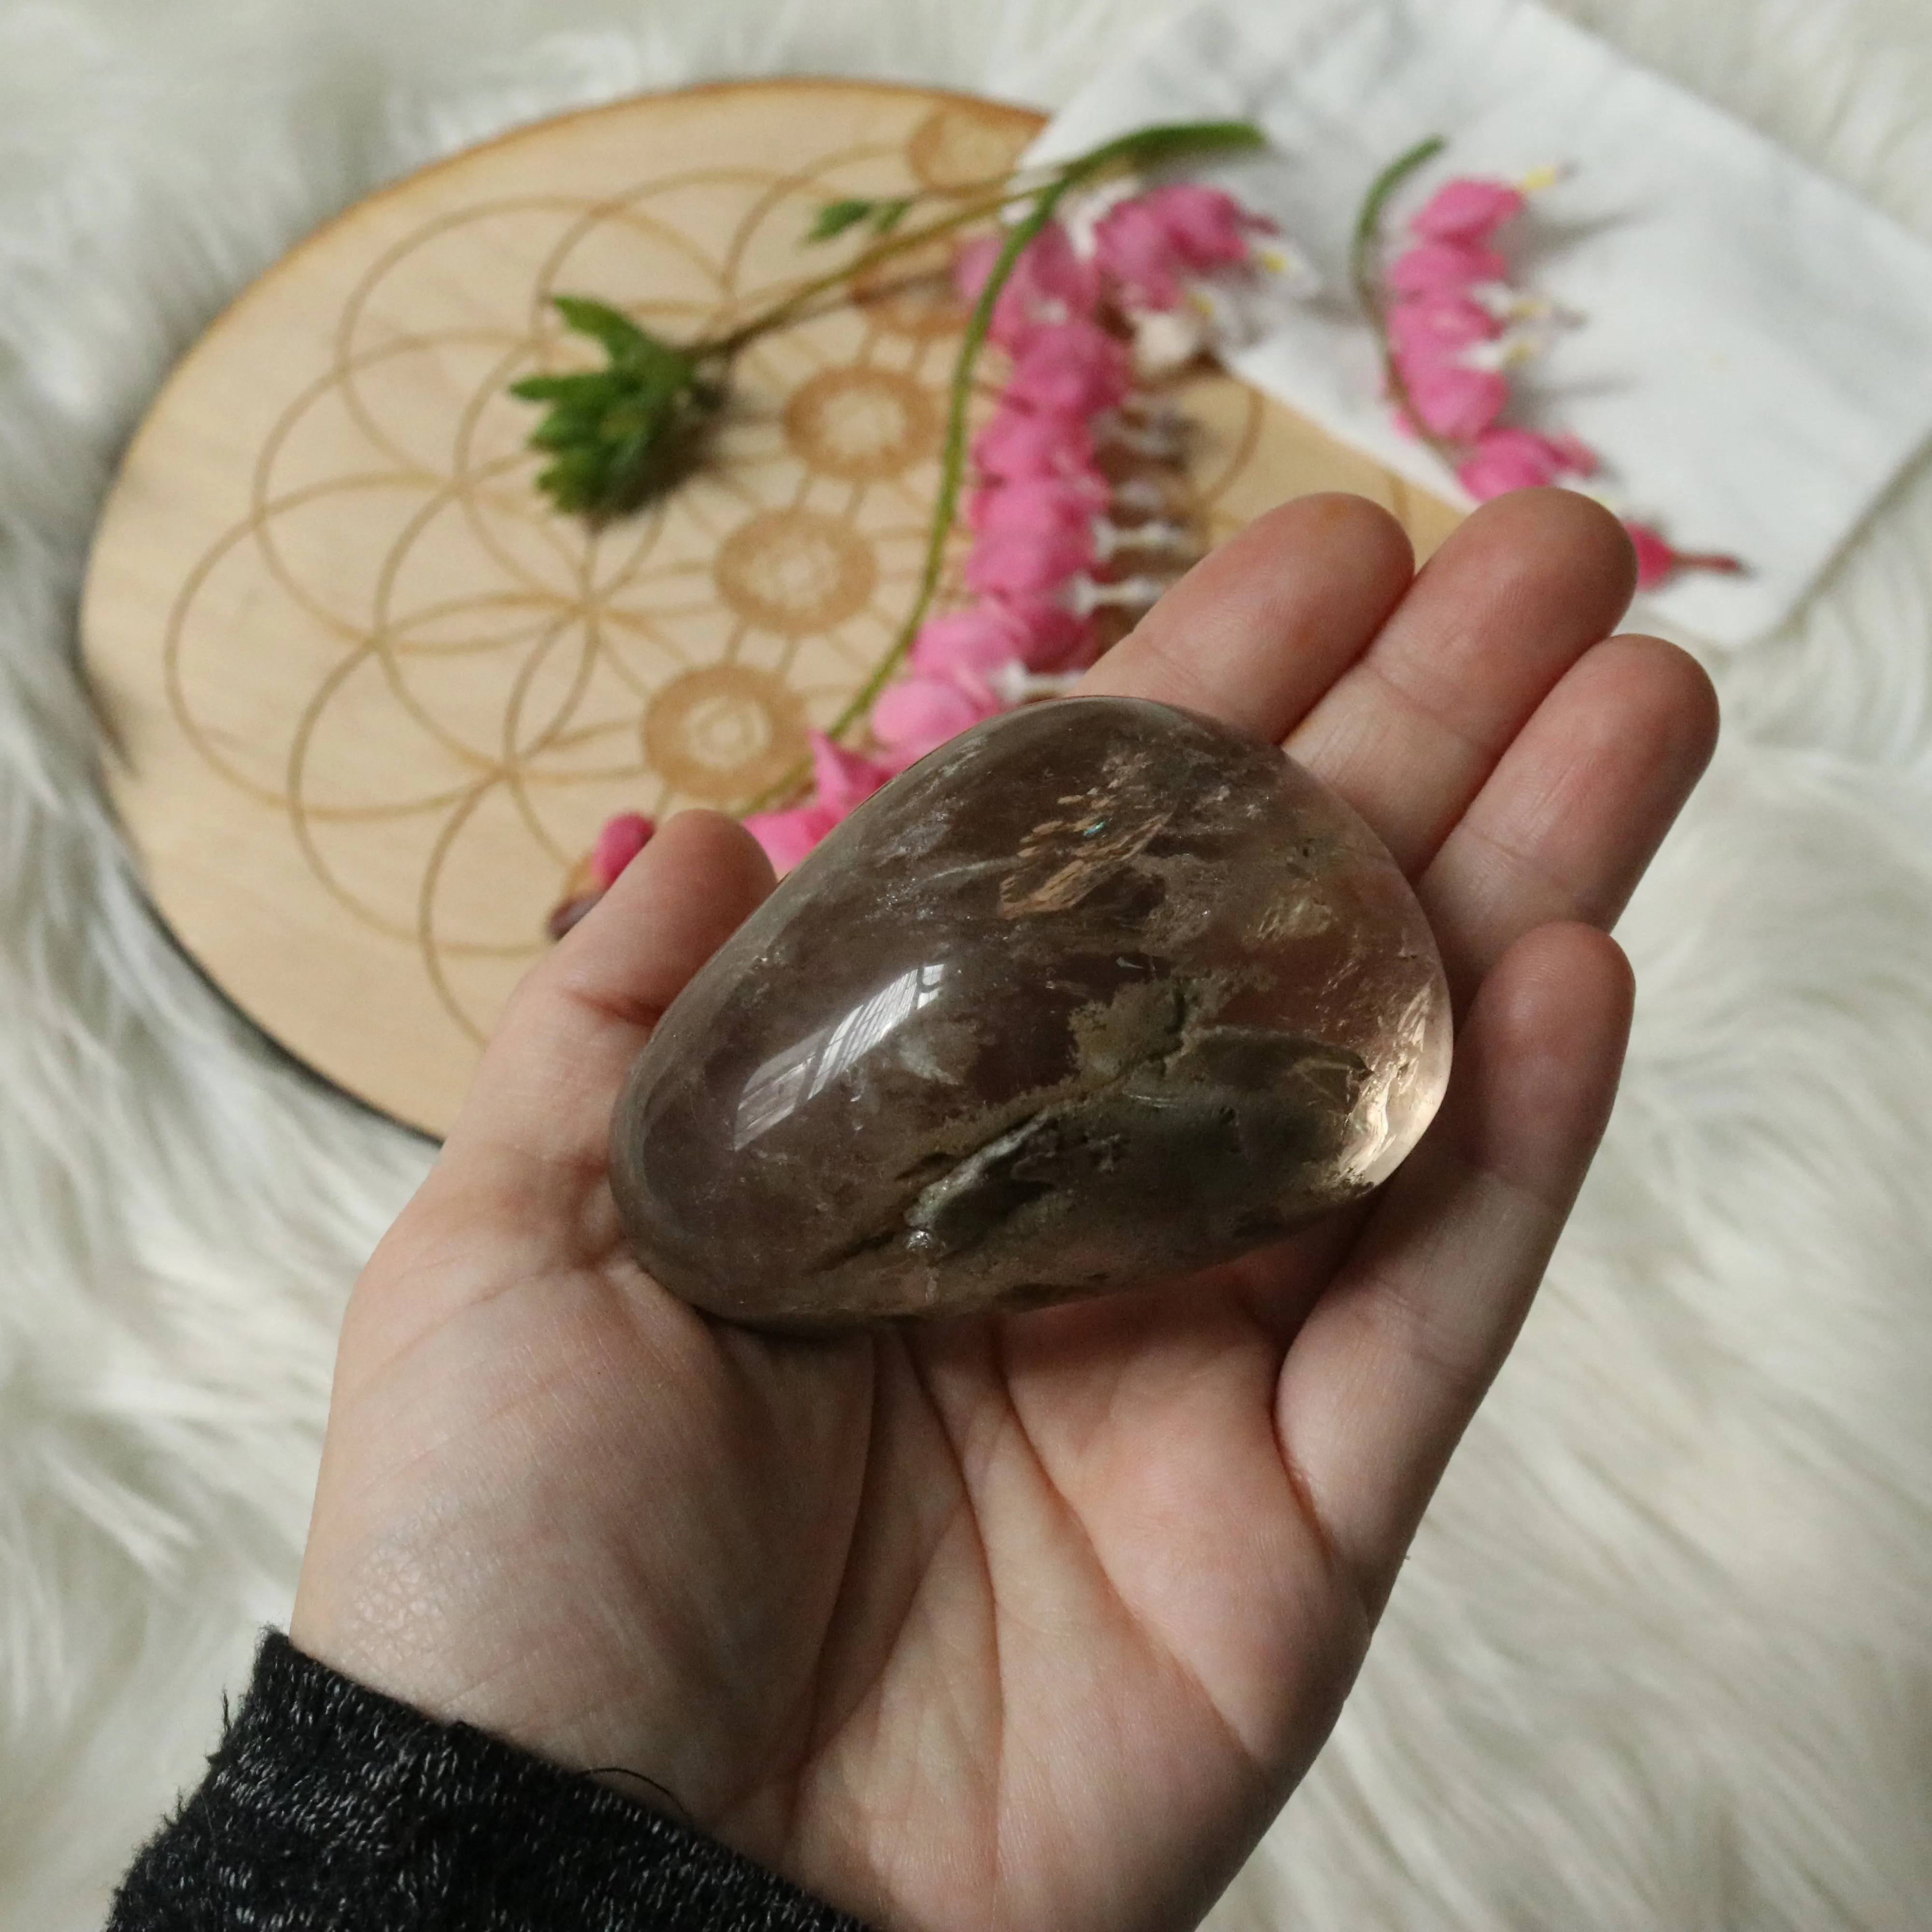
[914, 714]
[1466, 210]
[1005, 563]
[1033, 628]
[1578, 458]
[1443, 268]
[1146, 245]
[1454, 402]
[1131, 244]
[841, 780]
[1656, 558]
[787, 836]
[620, 841]
[1507, 459]
[1018, 442]
[1072, 369]
[1440, 321]
[1208, 227]
[843, 777]
[1034, 502]
[1055, 636]
[968, 644]
[1049, 283]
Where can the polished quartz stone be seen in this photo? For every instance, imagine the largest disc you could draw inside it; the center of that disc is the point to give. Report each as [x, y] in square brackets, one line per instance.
[1098, 993]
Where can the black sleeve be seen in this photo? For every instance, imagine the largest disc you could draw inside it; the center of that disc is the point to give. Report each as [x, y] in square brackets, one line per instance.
[329, 1805]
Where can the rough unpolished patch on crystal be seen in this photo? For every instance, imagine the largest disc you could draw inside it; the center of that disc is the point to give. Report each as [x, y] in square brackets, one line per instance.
[1099, 993]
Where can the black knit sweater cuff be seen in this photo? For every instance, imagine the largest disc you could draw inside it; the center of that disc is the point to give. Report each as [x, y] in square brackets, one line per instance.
[329, 1805]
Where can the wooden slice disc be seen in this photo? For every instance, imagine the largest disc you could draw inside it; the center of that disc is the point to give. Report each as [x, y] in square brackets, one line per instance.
[371, 699]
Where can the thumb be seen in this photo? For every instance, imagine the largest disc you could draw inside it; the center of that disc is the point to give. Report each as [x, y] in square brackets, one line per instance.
[545, 1087]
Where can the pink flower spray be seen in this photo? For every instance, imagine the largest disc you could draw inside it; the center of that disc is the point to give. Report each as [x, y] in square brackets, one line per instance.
[1440, 305]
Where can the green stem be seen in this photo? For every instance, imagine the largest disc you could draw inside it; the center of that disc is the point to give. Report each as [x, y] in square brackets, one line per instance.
[952, 462]
[952, 474]
[1368, 222]
[788, 310]
[1365, 271]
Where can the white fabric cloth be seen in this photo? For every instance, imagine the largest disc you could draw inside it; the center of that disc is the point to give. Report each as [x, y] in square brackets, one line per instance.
[1752, 351]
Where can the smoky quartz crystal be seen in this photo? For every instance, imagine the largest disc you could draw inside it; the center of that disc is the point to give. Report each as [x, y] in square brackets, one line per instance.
[1098, 993]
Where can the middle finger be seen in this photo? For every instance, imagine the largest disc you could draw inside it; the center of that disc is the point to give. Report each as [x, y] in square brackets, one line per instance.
[1410, 732]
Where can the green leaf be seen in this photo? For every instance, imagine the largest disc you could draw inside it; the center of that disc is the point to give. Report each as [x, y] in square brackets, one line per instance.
[585, 389]
[835, 216]
[560, 431]
[1171, 141]
[620, 434]
[890, 214]
[574, 482]
[611, 327]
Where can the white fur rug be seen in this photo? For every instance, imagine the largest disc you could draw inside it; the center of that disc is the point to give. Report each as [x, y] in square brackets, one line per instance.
[1662, 1658]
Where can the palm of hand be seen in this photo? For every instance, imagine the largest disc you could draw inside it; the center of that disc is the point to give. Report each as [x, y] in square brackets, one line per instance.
[1029, 1622]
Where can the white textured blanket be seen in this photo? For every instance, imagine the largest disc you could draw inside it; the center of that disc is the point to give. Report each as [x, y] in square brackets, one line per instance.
[1662, 1658]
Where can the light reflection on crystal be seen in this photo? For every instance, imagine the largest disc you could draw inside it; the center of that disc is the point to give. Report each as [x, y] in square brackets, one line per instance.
[788, 1079]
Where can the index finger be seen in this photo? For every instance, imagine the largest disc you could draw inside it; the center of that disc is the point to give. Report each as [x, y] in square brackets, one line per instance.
[1264, 623]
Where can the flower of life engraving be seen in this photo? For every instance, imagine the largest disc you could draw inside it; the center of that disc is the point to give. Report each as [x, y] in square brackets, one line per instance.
[376, 697]
[678, 656]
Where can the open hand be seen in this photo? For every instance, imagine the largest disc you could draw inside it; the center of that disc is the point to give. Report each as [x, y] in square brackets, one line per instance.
[1028, 1623]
